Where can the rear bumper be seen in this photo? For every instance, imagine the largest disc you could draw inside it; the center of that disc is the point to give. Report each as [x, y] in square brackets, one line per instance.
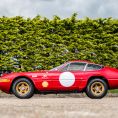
[5, 85]
[113, 83]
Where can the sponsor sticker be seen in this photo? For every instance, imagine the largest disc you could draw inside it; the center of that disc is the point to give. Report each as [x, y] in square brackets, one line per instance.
[45, 84]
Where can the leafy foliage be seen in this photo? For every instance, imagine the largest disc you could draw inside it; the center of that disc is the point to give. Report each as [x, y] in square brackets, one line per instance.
[40, 41]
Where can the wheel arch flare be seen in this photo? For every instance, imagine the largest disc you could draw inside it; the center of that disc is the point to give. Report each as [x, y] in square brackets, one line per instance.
[18, 77]
[100, 77]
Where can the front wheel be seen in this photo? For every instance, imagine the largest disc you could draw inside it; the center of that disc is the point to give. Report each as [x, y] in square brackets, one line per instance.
[23, 88]
[96, 89]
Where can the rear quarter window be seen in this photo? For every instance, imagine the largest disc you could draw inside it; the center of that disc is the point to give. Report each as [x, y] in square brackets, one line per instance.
[91, 67]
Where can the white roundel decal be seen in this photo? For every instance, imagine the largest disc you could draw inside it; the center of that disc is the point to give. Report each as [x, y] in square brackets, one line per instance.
[67, 79]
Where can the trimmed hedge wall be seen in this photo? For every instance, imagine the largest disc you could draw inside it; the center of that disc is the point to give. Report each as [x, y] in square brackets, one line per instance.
[40, 41]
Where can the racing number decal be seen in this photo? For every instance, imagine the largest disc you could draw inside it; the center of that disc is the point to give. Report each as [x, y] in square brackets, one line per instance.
[67, 79]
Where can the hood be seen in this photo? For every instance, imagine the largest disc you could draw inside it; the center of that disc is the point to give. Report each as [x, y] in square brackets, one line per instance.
[23, 73]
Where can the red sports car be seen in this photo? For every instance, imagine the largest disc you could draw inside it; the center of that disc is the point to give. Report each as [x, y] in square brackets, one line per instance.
[74, 76]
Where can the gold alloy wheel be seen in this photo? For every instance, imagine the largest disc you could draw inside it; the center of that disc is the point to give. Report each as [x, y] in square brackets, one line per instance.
[22, 88]
[97, 88]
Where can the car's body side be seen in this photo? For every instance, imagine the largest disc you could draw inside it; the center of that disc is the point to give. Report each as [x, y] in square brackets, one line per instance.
[50, 80]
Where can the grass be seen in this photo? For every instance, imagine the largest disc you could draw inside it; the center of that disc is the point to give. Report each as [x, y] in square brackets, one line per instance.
[113, 91]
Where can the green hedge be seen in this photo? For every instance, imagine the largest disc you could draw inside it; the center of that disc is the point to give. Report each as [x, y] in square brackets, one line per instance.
[40, 41]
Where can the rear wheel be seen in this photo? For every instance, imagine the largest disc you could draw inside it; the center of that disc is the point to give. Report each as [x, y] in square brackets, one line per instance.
[23, 88]
[96, 88]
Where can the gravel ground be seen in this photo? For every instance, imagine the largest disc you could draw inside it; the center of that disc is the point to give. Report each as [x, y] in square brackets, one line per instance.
[58, 106]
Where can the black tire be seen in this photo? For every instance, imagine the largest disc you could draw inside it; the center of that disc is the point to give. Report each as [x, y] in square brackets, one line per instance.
[30, 91]
[91, 91]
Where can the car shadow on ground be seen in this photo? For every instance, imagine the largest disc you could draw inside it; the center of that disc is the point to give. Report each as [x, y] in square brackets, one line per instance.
[71, 95]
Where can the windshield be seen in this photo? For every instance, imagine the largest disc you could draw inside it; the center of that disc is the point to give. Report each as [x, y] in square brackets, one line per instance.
[58, 67]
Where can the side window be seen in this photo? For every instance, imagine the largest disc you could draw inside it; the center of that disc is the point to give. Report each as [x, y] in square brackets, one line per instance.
[91, 67]
[76, 66]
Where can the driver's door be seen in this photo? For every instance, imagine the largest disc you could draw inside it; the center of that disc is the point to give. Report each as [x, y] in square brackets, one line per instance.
[67, 78]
